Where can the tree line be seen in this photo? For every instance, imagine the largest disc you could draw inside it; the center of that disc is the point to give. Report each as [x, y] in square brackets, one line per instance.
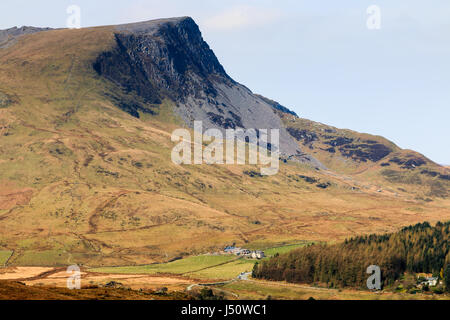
[414, 249]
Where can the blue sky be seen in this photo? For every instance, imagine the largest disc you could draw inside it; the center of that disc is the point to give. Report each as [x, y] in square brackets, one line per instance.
[316, 57]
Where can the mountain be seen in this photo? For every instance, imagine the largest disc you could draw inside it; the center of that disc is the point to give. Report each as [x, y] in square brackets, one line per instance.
[86, 176]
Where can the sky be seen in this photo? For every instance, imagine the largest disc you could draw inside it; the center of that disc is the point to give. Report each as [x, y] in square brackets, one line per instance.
[316, 57]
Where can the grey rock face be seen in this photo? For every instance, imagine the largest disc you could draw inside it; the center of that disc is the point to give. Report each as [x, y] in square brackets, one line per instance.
[9, 36]
[168, 58]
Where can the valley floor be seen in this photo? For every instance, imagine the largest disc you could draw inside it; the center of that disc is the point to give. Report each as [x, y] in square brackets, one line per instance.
[39, 283]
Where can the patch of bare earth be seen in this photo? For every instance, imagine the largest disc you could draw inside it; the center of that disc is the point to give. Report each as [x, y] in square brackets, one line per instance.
[16, 273]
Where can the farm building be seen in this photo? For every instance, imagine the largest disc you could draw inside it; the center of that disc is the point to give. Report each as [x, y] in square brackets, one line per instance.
[257, 254]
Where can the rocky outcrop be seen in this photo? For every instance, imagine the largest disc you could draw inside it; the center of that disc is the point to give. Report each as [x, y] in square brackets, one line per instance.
[364, 152]
[168, 58]
[302, 135]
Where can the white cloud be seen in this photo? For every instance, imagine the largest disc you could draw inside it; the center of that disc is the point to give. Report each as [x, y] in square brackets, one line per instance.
[242, 16]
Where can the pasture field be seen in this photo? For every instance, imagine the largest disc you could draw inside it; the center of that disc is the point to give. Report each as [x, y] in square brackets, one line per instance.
[225, 271]
[286, 248]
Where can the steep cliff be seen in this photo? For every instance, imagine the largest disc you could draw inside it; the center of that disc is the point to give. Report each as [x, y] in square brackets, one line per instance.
[83, 182]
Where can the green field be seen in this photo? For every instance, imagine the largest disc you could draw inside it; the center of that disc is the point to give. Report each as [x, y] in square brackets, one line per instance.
[188, 266]
[226, 271]
[55, 257]
[4, 256]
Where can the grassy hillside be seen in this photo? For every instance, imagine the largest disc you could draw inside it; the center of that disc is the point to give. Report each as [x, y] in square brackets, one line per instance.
[82, 181]
[415, 249]
[4, 256]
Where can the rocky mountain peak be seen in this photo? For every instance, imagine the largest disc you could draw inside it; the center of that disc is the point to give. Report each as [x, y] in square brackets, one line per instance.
[184, 43]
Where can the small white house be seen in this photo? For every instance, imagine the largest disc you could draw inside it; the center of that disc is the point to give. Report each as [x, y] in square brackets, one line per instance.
[431, 281]
[257, 254]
